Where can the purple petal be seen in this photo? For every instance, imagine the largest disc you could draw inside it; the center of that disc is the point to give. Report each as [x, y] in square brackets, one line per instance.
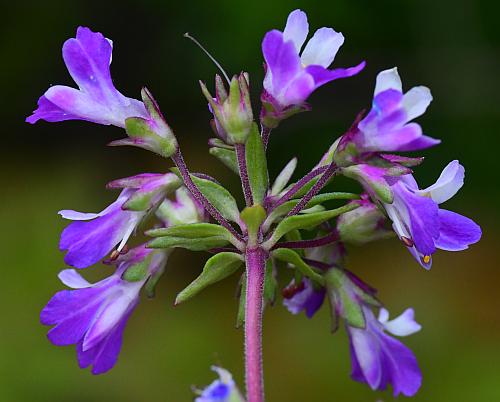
[104, 355]
[448, 183]
[456, 232]
[308, 300]
[419, 143]
[322, 75]
[50, 112]
[367, 365]
[89, 242]
[283, 63]
[298, 90]
[322, 48]
[296, 29]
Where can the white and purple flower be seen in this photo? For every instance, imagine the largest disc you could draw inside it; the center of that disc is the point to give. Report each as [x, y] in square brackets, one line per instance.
[88, 58]
[303, 297]
[94, 235]
[221, 390]
[292, 75]
[378, 359]
[93, 316]
[387, 126]
[421, 224]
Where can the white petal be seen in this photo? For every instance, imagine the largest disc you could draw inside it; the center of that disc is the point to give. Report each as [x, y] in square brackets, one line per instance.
[296, 28]
[73, 279]
[448, 183]
[284, 177]
[383, 315]
[416, 101]
[77, 216]
[224, 375]
[403, 325]
[388, 79]
[322, 47]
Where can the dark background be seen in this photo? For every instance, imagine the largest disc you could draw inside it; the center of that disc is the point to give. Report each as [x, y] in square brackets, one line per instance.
[450, 46]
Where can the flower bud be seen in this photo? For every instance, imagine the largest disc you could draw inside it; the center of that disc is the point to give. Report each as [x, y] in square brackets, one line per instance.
[232, 111]
[362, 225]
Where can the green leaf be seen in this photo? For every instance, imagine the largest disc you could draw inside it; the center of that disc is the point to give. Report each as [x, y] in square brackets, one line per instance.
[217, 195]
[255, 155]
[240, 317]
[137, 272]
[304, 221]
[284, 177]
[286, 207]
[200, 244]
[270, 283]
[292, 257]
[227, 157]
[217, 268]
[191, 231]
[253, 218]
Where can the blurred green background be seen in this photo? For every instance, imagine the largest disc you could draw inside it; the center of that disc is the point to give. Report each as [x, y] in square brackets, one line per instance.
[450, 46]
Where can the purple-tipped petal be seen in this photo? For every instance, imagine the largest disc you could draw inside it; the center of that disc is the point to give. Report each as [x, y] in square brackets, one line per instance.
[418, 144]
[296, 29]
[456, 232]
[447, 185]
[322, 48]
[87, 57]
[307, 299]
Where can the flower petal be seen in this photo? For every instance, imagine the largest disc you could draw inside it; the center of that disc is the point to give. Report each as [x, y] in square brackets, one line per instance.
[50, 112]
[296, 29]
[416, 101]
[419, 143]
[73, 279]
[388, 79]
[456, 232]
[402, 325]
[322, 48]
[322, 75]
[447, 185]
[366, 355]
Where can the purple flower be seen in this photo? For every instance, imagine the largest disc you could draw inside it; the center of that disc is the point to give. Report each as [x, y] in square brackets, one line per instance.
[221, 390]
[421, 224]
[94, 235]
[93, 316]
[291, 76]
[378, 359]
[87, 57]
[387, 127]
[303, 297]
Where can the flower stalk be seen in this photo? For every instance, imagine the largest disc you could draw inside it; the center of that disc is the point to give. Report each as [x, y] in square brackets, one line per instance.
[255, 271]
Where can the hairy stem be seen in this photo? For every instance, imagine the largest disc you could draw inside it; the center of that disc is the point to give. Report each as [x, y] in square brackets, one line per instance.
[265, 134]
[242, 166]
[298, 186]
[196, 193]
[254, 304]
[329, 172]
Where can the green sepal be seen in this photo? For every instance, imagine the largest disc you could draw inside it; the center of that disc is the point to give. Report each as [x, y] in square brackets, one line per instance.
[292, 257]
[240, 316]
[378, 184]
[255, 155]
[270, 283]
[253, 217]
[217, 195]
[227, 157]
[137, 272]
[284, 177]
[144, 200]
[304, 222]
[200, 244]
[217, 268]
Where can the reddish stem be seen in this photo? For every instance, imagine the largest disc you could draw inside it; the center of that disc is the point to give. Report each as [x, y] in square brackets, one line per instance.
[242, 166]
[320, 241]
[254, 305]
